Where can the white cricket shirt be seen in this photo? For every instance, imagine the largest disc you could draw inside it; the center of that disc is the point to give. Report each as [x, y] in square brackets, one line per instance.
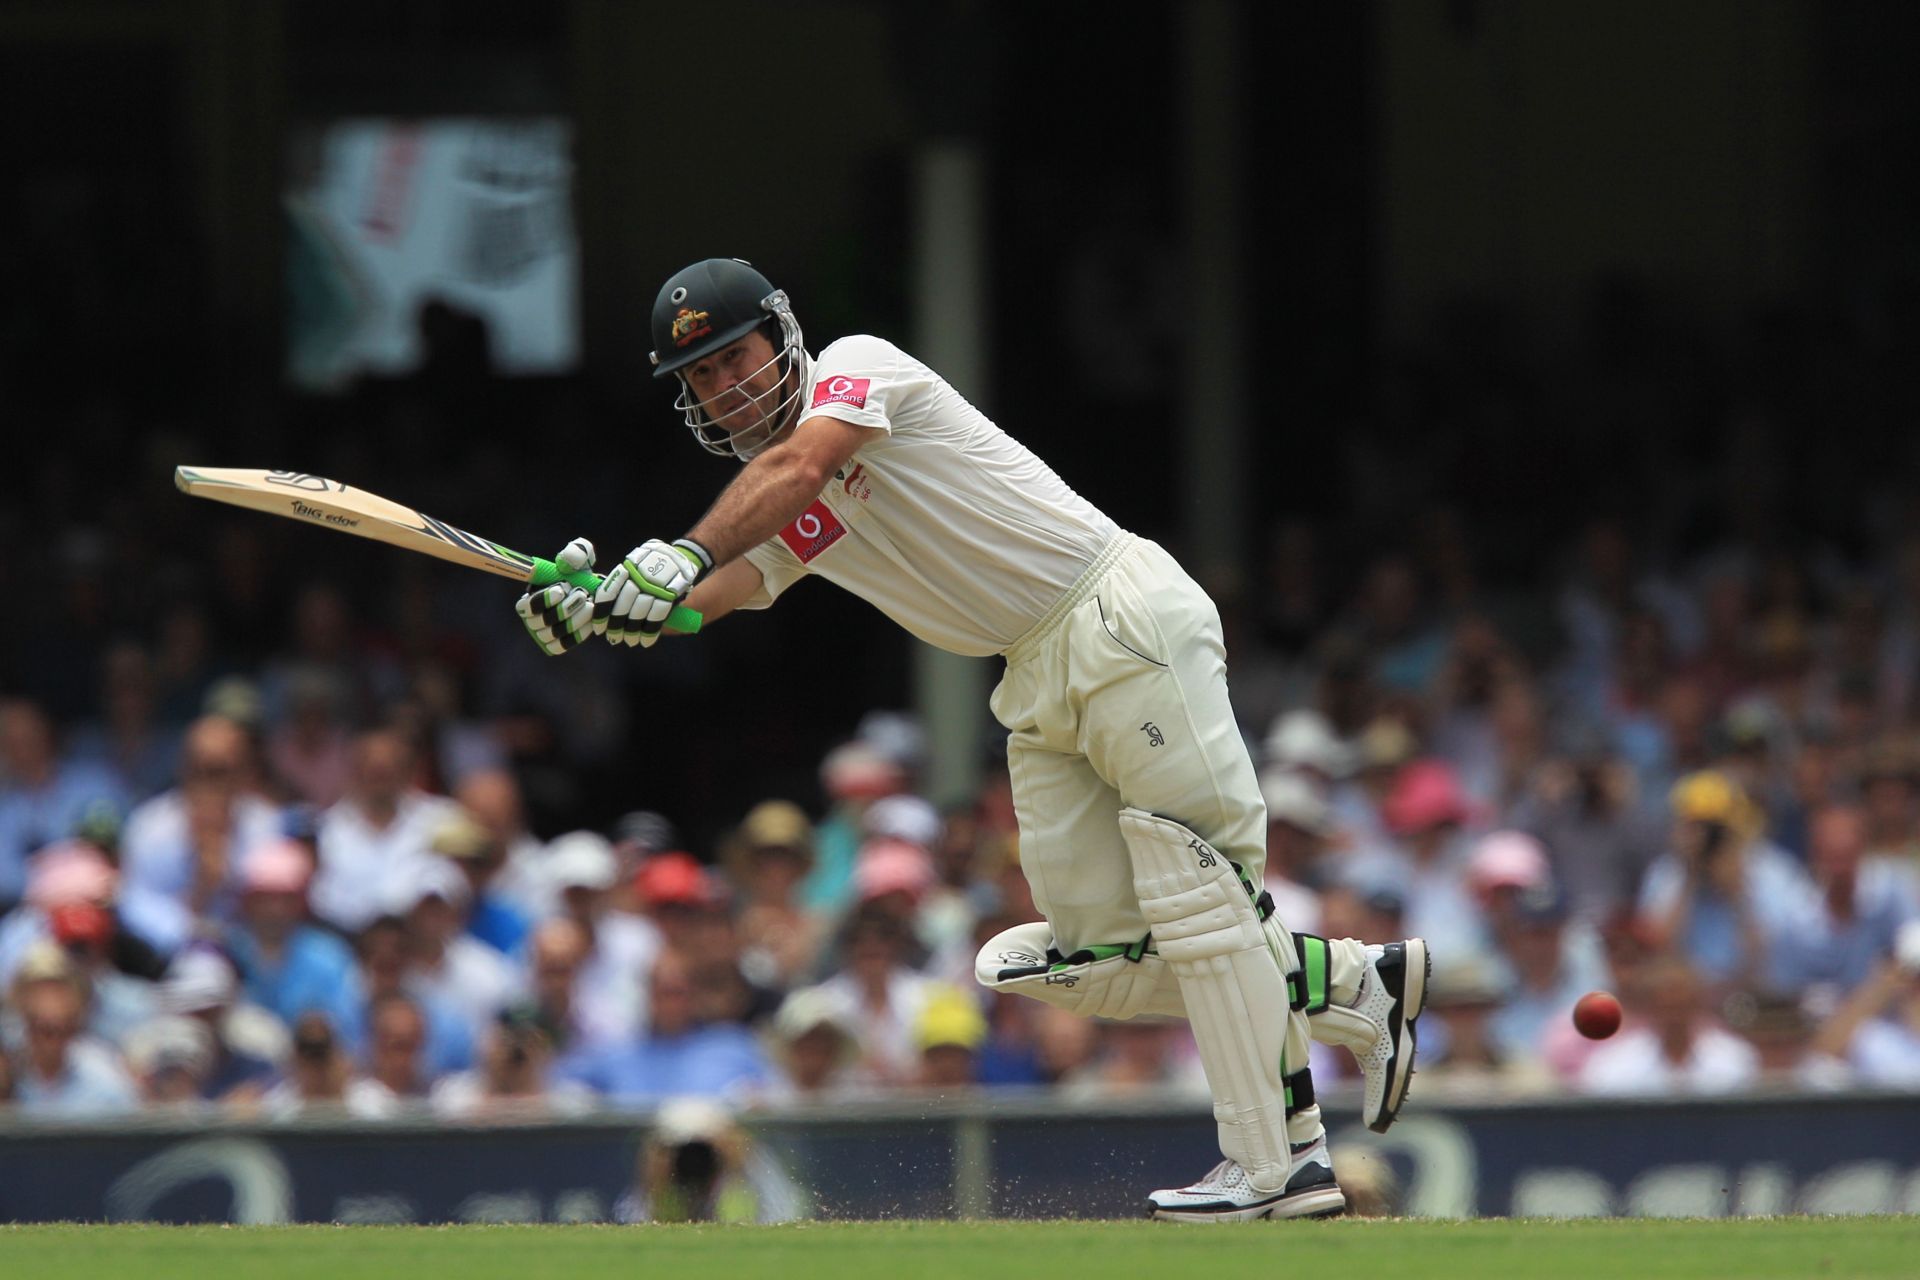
[947, 524]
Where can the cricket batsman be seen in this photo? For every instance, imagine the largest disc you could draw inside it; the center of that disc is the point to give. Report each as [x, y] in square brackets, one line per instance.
[1142, 830]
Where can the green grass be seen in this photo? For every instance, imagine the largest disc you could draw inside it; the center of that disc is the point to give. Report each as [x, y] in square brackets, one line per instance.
[1788, 1248]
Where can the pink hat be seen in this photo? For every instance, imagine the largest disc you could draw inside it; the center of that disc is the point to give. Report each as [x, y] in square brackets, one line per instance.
[278, 866]
[1426, 794]
[892, 866]
[1508, 860]
[70, 871]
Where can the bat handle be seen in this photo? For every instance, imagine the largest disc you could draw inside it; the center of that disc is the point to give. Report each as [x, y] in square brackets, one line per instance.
[545, 573]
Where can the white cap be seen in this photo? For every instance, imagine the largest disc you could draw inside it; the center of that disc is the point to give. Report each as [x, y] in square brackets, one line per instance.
[811, 1007]
[1293, 799]
[199, 978]
[691, 1119]
[581, 859]
[903, 817]
[1303, 739]
[169, 1040]
[430, 877]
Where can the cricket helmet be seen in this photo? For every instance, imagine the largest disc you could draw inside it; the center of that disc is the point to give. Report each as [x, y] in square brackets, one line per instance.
[707, 307]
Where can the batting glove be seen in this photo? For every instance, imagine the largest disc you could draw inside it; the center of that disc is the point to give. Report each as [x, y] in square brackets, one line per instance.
[634, 600]
[559, 617]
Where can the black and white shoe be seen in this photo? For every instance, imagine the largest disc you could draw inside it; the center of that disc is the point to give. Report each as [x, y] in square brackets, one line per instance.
[1225, 1195]
[1392, 994]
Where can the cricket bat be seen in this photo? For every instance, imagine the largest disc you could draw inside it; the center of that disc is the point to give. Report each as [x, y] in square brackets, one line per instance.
[332, 505]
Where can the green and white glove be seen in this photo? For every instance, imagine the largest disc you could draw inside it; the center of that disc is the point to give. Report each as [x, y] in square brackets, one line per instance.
[559, 617]
[634, 600]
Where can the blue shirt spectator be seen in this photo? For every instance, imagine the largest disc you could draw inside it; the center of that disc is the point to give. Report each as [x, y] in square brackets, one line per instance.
[1860, 905]
[61, 1072]
[44, 799]
[675, 1056]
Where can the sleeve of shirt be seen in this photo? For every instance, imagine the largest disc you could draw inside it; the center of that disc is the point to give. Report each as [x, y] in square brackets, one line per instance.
[779, 569]
[858, 380]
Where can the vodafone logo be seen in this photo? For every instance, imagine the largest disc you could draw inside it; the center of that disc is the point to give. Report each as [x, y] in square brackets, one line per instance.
[841, 389]
[813, 531]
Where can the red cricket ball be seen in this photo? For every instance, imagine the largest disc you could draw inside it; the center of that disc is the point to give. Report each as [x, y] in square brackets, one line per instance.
[1596, 1015]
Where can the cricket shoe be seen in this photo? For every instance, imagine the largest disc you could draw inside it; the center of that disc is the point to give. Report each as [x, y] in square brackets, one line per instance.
[1393, 991]
[1225, 1195]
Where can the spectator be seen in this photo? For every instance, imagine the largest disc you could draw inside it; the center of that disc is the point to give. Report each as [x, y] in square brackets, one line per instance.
[1782, 1033]
[1877, 1030]
[610, 994]
[246, 1040]
[673, 892]
[397, 1072]
[949, 1033]
[1466, 994]
[61, 1071]
[878, 994]
[182, 850]
[287, 965]
[725, 992]
[1859, 907]
[1676, 1049]
[42, 799]
[310, 751]
[1299, 830]
[1722, 896]
[1301, 741]
[318, 1071]
[813, 1047]
[675, 1056]
[128, 741]
[1385, 745]
[491, 918]
[491, 797]
[447, 966]
[893, 878]
[1427, 813]
[1887, 788]
[1140, 1055]
[70, 901]
[1553, 961]
[513, 1078]
[170, 1058]
[379, 831]
[555, 952]
[637, 837]
[767, 860]
[384, 955]
[1583, 811]
[854, 775]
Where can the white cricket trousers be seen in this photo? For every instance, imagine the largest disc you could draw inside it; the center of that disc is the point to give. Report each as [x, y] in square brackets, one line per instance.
[1118, 698]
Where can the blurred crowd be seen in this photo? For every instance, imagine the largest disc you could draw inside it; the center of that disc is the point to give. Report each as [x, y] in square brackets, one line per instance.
[1701, 790]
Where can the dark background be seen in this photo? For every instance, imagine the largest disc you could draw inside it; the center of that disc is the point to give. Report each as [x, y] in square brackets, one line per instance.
[1504, 268]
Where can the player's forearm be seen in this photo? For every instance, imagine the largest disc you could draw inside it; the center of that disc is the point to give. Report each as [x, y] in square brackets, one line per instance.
[763, 499]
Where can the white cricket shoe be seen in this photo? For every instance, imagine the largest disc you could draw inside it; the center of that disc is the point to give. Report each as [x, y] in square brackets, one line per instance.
[1225, 1195]
[1393, 991]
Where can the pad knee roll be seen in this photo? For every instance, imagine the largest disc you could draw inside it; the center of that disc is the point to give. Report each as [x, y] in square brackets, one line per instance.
[1120, 981]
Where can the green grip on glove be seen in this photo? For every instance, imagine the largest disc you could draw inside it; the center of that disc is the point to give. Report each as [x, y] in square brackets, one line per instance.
[545, 573]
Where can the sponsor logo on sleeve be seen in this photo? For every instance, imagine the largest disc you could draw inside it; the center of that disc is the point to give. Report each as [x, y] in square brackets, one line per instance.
[841, 389]
[816, 529]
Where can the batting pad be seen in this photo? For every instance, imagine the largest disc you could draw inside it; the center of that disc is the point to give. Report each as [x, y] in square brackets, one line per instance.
[1232, 975]
[1120, 981]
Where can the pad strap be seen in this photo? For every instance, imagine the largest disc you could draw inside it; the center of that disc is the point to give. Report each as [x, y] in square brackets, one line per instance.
[1299, 1090]
[1314, 993]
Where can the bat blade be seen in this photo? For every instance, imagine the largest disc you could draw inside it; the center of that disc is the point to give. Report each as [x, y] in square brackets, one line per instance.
[316, 500]
[330, 504]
